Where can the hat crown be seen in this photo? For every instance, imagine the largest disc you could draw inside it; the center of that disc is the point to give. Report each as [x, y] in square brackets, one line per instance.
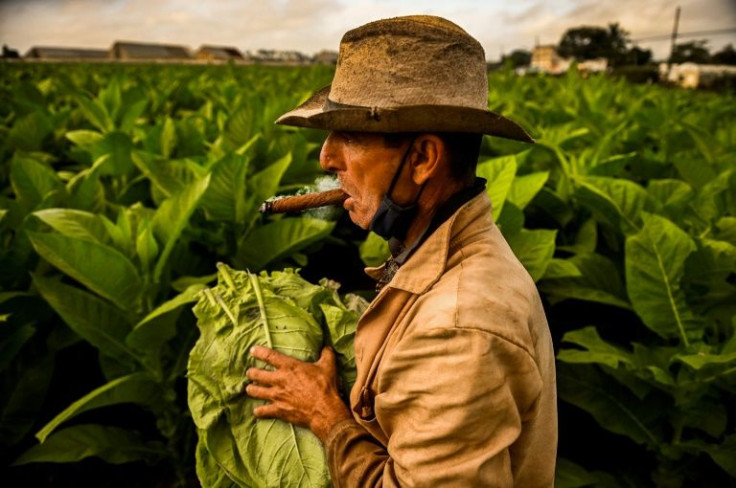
[413, 60]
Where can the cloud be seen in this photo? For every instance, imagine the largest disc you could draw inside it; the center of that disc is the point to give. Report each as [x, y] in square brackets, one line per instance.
[640, 19]
[312, 25]
[247, 24]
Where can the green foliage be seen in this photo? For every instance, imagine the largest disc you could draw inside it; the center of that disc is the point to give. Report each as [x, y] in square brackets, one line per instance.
[123, 186]
[120, 186]
[282, 312]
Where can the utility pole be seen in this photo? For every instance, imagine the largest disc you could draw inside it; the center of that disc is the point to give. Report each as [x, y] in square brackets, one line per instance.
[674, 40]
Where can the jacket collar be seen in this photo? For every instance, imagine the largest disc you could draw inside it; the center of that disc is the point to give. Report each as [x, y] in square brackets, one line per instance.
[427, 264]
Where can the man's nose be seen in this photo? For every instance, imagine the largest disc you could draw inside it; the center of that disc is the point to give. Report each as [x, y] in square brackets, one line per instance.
[329, 156]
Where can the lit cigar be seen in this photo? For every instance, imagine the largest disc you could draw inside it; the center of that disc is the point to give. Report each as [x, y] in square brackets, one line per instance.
[304, 202]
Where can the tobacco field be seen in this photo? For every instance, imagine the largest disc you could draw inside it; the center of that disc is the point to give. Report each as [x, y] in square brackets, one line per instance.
[123, 187]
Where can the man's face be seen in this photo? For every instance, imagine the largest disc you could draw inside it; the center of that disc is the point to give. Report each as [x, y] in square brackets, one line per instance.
[365, 167]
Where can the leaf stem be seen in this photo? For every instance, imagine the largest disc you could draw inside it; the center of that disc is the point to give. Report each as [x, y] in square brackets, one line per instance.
[262, 307]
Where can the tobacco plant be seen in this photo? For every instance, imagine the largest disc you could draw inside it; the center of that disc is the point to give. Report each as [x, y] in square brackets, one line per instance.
[121, 187]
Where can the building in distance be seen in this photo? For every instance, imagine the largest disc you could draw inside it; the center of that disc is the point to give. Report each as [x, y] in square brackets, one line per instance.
[66, 54]
[325, 57]
[136, 51]
[221, 54]
[546, 59]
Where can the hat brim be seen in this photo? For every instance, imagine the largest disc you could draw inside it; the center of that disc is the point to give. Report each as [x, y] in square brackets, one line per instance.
[319, 113]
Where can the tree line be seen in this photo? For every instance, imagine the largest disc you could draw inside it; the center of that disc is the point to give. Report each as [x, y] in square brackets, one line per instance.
[614, 44]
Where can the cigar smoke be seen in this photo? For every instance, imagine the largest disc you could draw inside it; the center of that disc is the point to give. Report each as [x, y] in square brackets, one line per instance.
[326, 193]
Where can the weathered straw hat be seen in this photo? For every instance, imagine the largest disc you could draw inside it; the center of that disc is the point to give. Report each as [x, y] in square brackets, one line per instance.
[406, 74]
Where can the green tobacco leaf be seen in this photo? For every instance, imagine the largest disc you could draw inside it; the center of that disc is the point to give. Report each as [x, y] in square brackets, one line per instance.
[168, 176]
[119, 148]
[617, 202]
[159, 326]
[525, 188]
[74, 223]
[707, 360]
[716, 198]
[95, 113]
[86, 192]
[264, 184]
[226, 197]
[600, 282]
[217, 439]
[596, 350]
[534, 248]
[113, 369]
[712, 262]
[84, 260]
[32, 181]
[561, 268]
[571, 475]
[374, 250]
[239, 312]
[670, 193]
[726, 229]
[305, 295]
[29, 131]
[279, 239]
[722, 454]
[168, 138]
[555, 206]
[208, 471]
[511, 220]
[613, 407]
[87, 140]
[171, 218]
[341, 325]
[587, 238]
[131, 114]
[500, 174]
[137, 388]
[98, 322]
[239, 126]
[653, 362]
[110, 97]
[25, 401]
[111, 444]
[146, 247]
[693, 171]
[655, 259]
[183, 282]
[12, 343]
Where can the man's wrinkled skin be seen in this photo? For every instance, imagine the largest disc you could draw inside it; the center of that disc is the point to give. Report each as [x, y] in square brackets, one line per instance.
[306, 394]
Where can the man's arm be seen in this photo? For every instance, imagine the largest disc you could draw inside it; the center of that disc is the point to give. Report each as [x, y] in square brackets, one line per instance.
[452, 401]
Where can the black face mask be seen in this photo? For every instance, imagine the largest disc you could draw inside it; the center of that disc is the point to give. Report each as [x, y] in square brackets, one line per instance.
[392, 220]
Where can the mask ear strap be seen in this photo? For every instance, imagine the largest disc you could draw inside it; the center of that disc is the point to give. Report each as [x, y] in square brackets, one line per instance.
[421, 189]
[401, 166]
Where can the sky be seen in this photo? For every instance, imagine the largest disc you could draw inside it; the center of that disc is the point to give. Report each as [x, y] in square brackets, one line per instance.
[313, 25]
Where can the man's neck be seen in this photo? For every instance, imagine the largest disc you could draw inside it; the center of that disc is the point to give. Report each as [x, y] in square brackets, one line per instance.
[434, 196]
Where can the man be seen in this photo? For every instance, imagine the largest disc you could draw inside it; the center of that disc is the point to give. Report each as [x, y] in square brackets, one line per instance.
[456, 382]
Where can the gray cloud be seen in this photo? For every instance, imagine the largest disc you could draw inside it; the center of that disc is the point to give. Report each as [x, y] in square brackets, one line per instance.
[311, 25]
[247, 24]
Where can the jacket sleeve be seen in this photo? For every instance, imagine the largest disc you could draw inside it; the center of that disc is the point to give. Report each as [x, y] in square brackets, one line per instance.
[452, 401]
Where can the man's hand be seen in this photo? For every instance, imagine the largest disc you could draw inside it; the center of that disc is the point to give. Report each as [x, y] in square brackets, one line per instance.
[304, 394]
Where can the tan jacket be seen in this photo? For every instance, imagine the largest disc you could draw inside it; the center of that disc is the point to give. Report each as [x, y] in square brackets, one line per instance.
[456, 380]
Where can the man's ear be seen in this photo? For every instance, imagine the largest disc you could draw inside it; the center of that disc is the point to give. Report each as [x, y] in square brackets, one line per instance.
[428, 158]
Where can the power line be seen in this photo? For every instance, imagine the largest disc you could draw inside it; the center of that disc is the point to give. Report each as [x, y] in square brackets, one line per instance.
[666, 37]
